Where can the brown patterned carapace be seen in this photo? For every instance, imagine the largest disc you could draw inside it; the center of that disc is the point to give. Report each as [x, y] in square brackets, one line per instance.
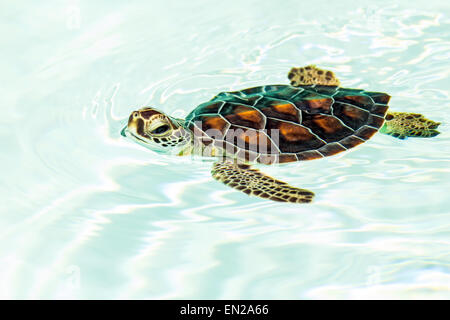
[299, 123]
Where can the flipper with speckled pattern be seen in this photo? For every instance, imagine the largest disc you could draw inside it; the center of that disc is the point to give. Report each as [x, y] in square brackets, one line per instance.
[310, 75]
[403, 124]
[253, 182]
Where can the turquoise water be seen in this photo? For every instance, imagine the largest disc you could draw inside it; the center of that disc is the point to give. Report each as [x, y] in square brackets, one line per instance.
[86, 213]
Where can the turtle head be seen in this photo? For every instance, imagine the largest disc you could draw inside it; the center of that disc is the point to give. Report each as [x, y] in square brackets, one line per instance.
[157, 130]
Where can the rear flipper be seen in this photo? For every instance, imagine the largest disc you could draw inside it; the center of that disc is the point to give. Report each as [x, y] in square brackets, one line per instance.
[402, 124]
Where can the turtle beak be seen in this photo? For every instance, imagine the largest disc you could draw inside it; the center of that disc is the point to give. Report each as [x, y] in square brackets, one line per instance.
[124, 131]
[135, 126]
[132, 118]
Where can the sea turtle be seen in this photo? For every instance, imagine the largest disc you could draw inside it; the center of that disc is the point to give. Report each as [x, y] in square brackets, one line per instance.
[311, 118]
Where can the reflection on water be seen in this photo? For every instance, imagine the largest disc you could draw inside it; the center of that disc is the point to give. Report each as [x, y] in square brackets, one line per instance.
[86, 213]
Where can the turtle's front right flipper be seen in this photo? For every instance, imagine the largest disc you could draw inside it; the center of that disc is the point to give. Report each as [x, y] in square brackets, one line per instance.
[253, 182]
[402, 124]
[310, 75]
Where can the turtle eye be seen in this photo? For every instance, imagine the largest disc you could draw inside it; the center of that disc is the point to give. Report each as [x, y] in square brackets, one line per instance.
[160, 129]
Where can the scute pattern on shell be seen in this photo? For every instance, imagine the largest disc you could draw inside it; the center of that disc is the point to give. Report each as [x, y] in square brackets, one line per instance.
[313, 121]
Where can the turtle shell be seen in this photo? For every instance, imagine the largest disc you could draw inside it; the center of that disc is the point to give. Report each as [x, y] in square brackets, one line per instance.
[282, 123]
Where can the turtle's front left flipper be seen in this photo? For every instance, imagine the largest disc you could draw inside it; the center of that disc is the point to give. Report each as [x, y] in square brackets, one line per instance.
[254, 182]
[402, 124]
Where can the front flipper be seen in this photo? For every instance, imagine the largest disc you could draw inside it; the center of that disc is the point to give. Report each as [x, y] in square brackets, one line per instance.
[253, 182]
[402, 124]
[312, 75]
